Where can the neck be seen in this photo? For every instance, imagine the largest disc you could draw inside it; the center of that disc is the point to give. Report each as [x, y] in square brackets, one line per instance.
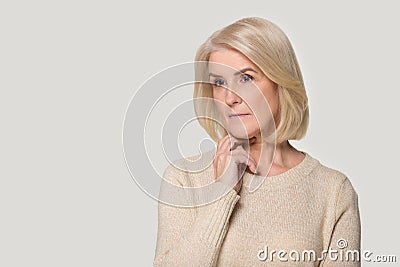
[284, 156]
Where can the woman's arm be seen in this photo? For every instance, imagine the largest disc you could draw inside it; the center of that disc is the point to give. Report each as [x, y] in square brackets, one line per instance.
[191, 236]
[346, 234]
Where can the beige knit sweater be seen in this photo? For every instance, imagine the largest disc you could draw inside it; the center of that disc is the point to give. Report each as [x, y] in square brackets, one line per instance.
[301, 212]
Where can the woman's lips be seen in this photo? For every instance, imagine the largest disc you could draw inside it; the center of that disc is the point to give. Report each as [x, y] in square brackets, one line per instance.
[239, 115]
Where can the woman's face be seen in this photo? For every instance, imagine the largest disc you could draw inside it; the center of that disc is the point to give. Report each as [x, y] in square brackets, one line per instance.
[245, 98]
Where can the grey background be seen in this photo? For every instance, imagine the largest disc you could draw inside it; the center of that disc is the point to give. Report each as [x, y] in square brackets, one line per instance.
[68, 70]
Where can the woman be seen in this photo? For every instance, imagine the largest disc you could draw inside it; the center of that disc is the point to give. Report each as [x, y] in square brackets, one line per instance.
[303, 213]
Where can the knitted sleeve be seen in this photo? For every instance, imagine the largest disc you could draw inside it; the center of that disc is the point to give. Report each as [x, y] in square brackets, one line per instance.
[346, 235]
[191, 236]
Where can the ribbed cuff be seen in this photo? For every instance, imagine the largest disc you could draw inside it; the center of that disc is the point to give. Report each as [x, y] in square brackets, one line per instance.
[214, 219]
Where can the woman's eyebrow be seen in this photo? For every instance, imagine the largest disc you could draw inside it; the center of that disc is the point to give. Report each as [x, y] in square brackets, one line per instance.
[214, 75]
[236, 73]
[244, 70]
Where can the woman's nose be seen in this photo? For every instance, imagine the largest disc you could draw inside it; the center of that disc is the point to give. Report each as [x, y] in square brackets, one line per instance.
[231, 98]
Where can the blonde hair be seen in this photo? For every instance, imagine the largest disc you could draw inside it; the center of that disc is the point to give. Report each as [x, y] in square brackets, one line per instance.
[267, 46]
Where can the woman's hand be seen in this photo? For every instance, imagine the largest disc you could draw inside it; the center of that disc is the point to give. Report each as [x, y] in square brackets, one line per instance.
[231, 160]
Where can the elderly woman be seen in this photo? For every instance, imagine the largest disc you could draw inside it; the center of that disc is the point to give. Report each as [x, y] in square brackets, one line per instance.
[302, 213]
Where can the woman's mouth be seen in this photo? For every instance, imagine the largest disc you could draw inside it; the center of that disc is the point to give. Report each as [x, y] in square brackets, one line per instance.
[238, 115]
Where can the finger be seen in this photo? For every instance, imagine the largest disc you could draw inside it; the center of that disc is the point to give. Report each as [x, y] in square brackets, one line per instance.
[246, 160]
[239, 142]
[223, 161]
[238, 159]
[242, 156]
[223, 144]
[222, 140]
[227, 145]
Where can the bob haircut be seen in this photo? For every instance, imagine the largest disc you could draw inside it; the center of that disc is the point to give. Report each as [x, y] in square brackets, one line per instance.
[267, 46]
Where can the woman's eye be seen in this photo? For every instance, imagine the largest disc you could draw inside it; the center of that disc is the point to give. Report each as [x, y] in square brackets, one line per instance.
[246, 78]
[219, 83]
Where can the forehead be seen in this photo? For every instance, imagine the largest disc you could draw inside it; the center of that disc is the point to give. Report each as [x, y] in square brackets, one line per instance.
[229, 60]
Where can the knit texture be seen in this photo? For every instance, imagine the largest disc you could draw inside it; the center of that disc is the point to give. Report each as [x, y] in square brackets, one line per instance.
[307, 209]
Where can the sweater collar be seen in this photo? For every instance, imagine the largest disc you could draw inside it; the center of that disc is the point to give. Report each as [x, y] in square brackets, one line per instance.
[255, 182]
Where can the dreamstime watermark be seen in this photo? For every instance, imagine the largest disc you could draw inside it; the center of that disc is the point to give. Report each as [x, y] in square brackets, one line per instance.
[154, 122]
[341, 254]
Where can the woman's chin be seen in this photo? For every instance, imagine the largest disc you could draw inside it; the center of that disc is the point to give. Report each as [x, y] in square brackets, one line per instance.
[241, 134]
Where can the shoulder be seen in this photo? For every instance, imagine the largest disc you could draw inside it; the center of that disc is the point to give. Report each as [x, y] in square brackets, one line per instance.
[191, 171]
[331, 182]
